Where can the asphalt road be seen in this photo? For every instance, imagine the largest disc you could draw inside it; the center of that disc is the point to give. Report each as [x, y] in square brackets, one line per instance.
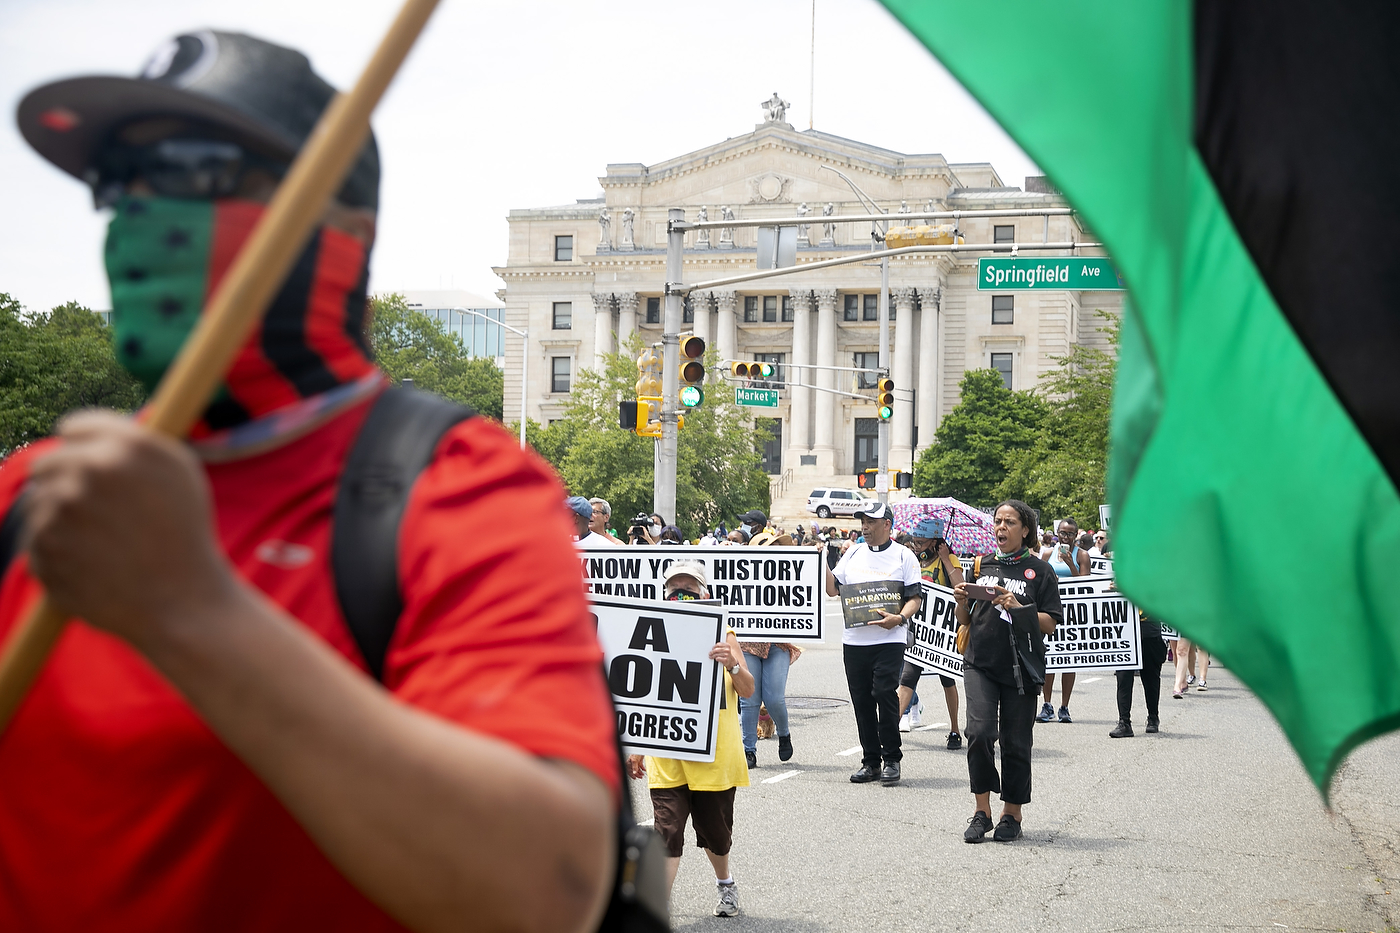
[1209, 825]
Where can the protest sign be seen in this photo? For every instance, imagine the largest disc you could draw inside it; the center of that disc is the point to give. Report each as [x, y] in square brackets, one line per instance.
[935, 633]
[666, 689]
[1100, 565]
[1169, 633]
[771, 593]
[1099, 633]
[865, 603]
[1078, 586]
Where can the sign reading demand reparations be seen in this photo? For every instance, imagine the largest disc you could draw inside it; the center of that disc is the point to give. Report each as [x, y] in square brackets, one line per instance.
[770, 593]
[1069, 273]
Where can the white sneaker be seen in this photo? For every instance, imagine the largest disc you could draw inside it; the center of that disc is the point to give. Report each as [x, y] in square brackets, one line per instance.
[904, 724]
[915, 714]
[728, 905]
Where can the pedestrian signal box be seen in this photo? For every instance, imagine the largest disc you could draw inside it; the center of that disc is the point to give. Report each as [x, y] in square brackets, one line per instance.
[898, 480]
[866, 479]
[884, 398]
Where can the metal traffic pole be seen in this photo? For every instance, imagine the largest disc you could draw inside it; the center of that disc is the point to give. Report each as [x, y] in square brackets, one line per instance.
[882, 478]
[664, 484]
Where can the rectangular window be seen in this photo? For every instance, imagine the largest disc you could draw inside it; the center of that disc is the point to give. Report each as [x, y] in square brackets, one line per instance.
[788, 313]
[653, 310]
[563, 249]
[559, 374]
[750, 309]
[852, 310]
[1001, 362]
[872, 307]
[867, 437]
[770, 309]
[892, 308]
[1003, 309]
[1004, 233]
[866, 361]
[563, 315]
[779, 376]
[688, 311]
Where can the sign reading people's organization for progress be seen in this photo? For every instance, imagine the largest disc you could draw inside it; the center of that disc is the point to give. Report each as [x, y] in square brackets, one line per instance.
[666, 689]
[1099, 631]
[771, 593]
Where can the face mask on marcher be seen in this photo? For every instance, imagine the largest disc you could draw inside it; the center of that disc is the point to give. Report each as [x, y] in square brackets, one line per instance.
[164, 256]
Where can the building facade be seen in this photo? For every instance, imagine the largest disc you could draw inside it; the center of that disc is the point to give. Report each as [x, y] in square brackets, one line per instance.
[584, 277]
[467, 315]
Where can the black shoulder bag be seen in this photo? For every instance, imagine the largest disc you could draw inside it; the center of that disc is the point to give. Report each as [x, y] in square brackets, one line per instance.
[393, 447]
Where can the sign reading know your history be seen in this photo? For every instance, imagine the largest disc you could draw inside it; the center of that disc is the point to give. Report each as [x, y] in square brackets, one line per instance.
[666, 689]
[1070, 273]
[770, 593]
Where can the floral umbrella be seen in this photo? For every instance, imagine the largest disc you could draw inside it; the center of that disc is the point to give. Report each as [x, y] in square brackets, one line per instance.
[966, 528]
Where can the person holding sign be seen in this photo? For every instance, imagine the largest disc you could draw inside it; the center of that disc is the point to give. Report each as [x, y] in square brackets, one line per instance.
[702, 791]
[1068, 560]
[1013, 605]
[937, 564]
[875, 636]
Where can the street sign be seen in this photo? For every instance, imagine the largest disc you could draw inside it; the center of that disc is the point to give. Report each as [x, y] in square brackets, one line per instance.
[882, 482]
[756, 398]
[1069, 273]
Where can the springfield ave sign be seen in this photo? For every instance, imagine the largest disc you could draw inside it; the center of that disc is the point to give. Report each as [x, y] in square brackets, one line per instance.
[1067, 273]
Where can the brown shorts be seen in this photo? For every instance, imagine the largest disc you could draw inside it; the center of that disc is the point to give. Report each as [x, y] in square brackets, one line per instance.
[711, 812]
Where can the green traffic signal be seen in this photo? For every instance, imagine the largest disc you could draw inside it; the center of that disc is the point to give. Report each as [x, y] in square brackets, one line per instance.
[886, 413]
[691, 396]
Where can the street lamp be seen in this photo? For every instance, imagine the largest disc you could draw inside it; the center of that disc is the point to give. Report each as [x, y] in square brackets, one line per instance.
[524, 360]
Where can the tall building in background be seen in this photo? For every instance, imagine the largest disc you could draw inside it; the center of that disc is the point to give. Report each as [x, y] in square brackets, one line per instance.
[449, 308]
[585, 276]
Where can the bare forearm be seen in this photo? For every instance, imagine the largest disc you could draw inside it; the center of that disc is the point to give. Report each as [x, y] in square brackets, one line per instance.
[440, 826]
[1047, 622]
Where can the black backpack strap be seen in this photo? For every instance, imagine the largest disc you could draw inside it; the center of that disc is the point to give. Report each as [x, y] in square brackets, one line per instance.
[10, 528]
[395, 444]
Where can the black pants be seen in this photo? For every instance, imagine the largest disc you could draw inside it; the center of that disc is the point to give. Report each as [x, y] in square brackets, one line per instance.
[872, 676]
[1151, 690]
[989, 705]
[909, 677]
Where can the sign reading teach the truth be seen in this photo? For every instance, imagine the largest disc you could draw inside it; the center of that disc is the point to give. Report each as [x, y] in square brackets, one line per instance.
[666, 689]
[771, 593]
[1100, 632]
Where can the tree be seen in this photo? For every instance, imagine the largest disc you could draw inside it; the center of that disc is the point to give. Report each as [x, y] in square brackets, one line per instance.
[53, 363]
[1062, 473]
[967, 459]
[408, 344]
[718, 472]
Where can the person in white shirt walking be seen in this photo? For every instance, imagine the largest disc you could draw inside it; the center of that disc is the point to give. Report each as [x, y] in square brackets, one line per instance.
[874, 653]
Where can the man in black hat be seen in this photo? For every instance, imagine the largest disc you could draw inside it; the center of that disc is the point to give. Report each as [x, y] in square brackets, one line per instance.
[874, 653]
[753, 522]
[215, 749]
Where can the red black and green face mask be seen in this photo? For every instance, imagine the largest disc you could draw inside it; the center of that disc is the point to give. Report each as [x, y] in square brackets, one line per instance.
[164, 256]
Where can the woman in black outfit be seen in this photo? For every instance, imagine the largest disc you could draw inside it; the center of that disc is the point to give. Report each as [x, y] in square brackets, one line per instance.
[1004, 667]
[1154, 653]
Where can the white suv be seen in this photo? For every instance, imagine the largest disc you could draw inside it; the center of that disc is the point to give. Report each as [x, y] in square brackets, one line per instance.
[828, 502]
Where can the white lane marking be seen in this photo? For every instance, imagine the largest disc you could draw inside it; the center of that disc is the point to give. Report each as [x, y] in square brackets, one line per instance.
[1089, 680]
[849, 751]
[781, 777]
[647, 822]
[937, 725]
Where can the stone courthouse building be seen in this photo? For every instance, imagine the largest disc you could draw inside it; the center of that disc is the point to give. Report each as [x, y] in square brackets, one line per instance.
[584, 276]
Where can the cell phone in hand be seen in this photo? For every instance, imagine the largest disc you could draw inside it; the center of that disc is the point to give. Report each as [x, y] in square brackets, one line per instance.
[974, 591]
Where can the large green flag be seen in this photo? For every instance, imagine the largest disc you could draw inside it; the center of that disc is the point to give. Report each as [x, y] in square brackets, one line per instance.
[1227, 154]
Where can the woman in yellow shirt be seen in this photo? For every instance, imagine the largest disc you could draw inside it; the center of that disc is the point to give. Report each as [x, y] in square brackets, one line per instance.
[702, 791]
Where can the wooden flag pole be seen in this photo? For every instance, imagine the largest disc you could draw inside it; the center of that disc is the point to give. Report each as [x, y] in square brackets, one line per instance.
[240, 300]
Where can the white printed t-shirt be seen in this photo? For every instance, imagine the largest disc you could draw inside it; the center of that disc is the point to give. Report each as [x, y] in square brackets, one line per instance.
[865, 564]
[593, 539]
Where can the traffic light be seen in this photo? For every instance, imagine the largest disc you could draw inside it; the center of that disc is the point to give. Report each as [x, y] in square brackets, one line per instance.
[884, 398]
[649, 373]
[739, 369]
[692, 371]
[866, 479]
[903, 480]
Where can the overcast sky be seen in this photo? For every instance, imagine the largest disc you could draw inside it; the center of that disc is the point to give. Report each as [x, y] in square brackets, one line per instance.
[500, 106]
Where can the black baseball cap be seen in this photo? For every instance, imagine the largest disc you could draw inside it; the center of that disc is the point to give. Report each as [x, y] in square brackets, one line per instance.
[754, 517]
[260, 95]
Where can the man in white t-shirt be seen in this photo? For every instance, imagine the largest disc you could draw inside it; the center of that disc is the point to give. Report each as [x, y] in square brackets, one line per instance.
[583, 514]
[874, 653]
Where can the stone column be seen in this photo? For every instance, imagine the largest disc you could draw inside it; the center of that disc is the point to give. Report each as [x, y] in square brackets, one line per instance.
[824, 441]
[702, 302]
[929, 366]
[724, 325]
[800, 409]
[902, 427]
[602, 328]
[626, 316]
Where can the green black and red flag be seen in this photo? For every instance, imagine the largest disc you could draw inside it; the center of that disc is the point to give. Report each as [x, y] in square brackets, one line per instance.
[1234, 156]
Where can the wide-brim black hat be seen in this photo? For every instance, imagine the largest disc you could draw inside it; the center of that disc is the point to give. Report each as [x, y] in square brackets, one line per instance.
[262, 95]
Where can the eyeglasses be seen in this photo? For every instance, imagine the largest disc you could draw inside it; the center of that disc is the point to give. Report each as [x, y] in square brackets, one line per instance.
[177, 168]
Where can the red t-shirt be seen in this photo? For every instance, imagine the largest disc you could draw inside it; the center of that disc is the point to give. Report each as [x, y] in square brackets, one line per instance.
[120, 810]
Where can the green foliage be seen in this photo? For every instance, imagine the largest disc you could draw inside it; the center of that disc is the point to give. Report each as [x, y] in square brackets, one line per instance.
[53, 363]
[408, 344]
[967, 459]
[1062, 473]
[717, 476]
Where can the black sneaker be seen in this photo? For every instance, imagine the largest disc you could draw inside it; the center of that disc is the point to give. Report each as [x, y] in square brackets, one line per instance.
[889, 775]
[977, 827]
[865, 775]
[1008, 828]
[1151, 724]
[751, 757]
[1047, 713]
[1124, 730]
[1064, 714]
[954, 741]
[784, 747]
